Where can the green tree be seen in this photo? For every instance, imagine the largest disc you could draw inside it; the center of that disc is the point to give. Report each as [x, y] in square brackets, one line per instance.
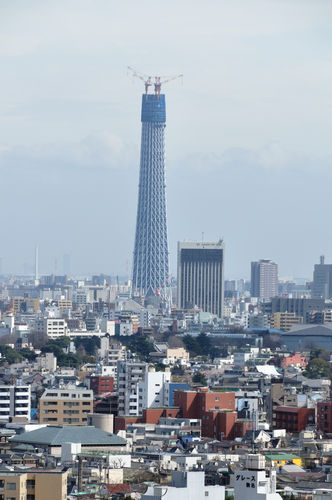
[199, 378]
[28, 354]
[192, 345]
[318, 368]
[204, 343]
[318, 352]
[10, 355]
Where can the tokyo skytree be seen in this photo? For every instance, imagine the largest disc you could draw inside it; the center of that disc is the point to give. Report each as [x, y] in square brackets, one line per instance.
[150, 266]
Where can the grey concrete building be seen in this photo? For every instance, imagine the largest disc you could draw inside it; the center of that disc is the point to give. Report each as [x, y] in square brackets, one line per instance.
[201, 276]
[322, 280]
[264, 279]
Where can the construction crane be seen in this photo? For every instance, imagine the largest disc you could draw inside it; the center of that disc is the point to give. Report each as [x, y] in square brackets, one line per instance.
[148, 80]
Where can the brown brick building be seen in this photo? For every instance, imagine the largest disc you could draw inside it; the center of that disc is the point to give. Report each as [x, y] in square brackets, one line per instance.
[293, 419]
[65, 406]
[324, 416]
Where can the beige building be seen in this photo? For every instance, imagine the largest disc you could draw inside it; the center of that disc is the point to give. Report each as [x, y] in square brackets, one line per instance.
[28, 305]
[177, 354]
[65, 407]
[36, 485]
[284, 320]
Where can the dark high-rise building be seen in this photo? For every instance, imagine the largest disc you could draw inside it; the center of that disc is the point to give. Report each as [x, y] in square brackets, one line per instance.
[150, 268]
[322, 282]
[264, 279]
[201, 276]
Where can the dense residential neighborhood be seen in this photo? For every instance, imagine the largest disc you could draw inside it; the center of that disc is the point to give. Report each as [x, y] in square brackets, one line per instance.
[104, 395]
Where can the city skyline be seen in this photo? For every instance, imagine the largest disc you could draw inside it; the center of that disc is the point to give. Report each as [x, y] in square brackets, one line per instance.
[255, 148]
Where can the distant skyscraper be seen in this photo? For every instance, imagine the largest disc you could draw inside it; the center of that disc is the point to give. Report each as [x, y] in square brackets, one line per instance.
[36, 264]
[150, 267]
[264, 279]
[201, 276]
[66, 264]
[322, 280]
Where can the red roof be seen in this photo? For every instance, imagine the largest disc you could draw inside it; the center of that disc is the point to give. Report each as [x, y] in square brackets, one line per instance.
[118, 488]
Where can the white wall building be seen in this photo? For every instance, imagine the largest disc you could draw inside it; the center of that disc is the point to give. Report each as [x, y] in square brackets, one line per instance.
[107, 326]
[153, 390]
[253, 483]
[186, 484]
[129, 374]
[55, 327]
[47, 362]
[15, 401]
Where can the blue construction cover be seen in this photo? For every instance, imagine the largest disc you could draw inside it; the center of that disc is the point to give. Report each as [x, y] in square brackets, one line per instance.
[153, 108]
[176, 386]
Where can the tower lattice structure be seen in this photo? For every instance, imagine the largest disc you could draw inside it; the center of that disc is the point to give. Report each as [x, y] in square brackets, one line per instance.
[150, 267]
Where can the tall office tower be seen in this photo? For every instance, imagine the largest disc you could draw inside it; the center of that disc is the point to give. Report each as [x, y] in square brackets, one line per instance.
[264, 279]
[322, 280]
[201, 276]
[150, 268]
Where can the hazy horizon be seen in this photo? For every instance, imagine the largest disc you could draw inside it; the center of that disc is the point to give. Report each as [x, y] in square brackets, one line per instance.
[248, 154]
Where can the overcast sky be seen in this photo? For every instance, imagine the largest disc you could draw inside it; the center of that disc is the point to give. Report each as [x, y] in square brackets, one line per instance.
[248, 137]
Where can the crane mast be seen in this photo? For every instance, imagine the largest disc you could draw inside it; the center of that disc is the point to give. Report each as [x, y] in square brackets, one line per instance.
[148, 80]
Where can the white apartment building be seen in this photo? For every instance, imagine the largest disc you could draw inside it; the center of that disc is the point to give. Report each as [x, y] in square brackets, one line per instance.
[129, 374]
[126, 328]
[141, 387]
[55, 327]
[111, 353]
[107, 326]
[47, 362]
[15, 401]
[153, 389]
[145, 317]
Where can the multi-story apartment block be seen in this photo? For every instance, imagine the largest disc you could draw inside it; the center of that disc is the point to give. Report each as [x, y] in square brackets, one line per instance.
[33, 485]
[264, 279]
[100, 384]
[47, 362]
[324, 416]
[322, 280]
[25, 305]
[284, 320]
[65, 406]
[15, 401]
[55, 327]
[129, 374]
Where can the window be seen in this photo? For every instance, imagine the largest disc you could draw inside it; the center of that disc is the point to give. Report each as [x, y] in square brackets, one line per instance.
[11, 486]
[206, 493]
[30, 484]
